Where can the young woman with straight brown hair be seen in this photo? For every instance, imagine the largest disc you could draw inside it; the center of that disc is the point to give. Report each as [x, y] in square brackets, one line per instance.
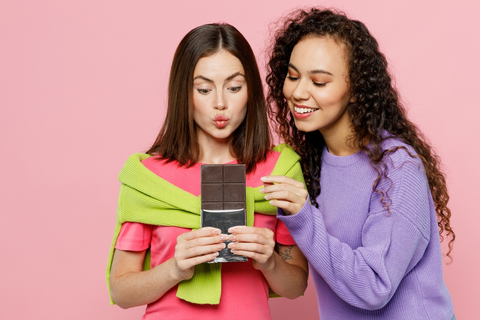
[216, 115]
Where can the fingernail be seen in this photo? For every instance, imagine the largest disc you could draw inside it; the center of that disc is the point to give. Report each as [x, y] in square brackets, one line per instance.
[221, 246]
[263, 178]
[232, 230]
[261, 190]
[231, 237]
[267, 197]
[215, 254]
[216, 231]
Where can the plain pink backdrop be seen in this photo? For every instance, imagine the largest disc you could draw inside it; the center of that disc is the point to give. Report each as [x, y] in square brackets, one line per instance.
[82, 86]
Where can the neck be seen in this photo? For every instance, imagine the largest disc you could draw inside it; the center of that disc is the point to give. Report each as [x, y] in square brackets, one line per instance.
[215, 151]
[215, 158]
[341, 149]
[340, 143]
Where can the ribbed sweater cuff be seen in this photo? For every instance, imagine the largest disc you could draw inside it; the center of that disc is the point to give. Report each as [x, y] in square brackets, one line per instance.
[297, 221]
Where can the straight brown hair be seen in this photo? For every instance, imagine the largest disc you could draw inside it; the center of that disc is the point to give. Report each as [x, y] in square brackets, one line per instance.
[177, 139]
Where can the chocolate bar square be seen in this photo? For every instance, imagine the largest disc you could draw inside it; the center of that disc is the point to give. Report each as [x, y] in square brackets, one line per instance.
[223, 201]
[223, 186]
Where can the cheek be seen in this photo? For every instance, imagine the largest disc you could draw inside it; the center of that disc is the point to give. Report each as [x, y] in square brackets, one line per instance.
[241, 102]
[333, 97]
[243, 109]
[196, 101]
[344, 98]
[343, 94]
[202, 103]
[198, 108]
[245, 101]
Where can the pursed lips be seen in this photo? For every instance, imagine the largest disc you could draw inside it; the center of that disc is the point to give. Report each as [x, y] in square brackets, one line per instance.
[220, 121]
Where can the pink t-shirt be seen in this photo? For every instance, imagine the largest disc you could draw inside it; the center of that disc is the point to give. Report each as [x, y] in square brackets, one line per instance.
[244, 289]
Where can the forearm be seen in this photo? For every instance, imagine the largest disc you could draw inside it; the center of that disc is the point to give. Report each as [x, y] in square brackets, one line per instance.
[286, 279]
[366, 276]
[138, 288]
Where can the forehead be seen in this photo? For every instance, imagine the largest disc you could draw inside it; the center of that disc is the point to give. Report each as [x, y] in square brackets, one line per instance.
[313, 52]
[219, 63]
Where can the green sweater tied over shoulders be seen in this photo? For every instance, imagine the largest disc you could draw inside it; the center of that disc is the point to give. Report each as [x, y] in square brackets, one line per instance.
[147, 198]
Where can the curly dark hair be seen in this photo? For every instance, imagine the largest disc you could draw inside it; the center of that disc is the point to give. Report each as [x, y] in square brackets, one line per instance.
[374, 107]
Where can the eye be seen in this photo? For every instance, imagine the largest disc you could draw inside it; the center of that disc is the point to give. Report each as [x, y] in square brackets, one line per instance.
[203, 91]
[292, 78]
[319, 84]
[234, 89]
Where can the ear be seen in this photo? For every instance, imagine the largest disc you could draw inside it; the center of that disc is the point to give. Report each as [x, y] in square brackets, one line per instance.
[353, 100]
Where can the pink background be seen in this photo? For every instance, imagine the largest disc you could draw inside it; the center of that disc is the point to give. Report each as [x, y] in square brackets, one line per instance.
[82, 86]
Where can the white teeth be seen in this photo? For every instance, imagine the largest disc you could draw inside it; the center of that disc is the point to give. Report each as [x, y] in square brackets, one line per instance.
[304, 110]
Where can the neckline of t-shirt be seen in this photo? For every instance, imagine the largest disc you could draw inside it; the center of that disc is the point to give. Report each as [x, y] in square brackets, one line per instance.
[230, 162]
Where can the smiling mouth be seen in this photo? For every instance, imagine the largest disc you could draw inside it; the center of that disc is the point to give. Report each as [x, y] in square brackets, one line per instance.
[304, 110]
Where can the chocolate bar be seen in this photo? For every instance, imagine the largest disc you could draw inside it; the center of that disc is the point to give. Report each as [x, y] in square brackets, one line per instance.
[223, 201]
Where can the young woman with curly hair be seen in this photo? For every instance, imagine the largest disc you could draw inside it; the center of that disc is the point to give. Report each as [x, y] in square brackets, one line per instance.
[375, 211]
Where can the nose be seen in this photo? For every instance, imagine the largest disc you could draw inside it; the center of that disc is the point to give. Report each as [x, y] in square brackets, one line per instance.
[220, 103]
[300, 92]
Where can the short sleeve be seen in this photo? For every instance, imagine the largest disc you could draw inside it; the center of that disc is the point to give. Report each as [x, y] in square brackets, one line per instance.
[134, 237]
[283, 235]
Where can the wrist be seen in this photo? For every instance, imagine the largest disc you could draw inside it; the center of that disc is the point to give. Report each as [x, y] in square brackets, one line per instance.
[174, 273]
[270, 265]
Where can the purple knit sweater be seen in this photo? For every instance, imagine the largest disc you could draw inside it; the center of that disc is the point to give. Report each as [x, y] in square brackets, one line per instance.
[366, 262]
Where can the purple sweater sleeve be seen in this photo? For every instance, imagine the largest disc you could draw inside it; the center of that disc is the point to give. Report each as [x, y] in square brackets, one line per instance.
[392, 243]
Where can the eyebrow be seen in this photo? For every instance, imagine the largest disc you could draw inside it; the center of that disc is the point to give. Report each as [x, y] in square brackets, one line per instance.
[228, 78]
[316, 71]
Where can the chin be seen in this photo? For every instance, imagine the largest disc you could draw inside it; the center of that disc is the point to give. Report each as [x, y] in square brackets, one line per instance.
[225, 136]
[305, 127]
